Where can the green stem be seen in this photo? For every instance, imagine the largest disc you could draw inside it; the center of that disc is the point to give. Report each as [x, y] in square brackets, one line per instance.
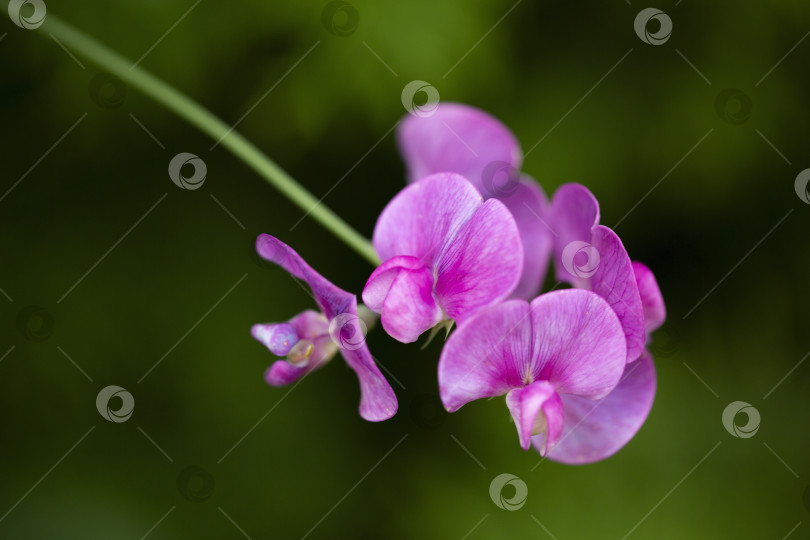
[209, 124]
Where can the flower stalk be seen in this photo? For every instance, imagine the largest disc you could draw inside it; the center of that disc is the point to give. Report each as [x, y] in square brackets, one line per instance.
[198, 116]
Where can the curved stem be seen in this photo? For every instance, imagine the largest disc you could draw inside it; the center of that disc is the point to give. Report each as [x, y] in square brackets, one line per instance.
[209, 124]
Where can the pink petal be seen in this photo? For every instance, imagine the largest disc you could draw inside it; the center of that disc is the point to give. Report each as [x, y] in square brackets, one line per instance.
[279, 338]
[401, 290]
[595, 430]
[282, 373]
[486, 356]
[577, 343]
[615, 281]
[421, 217]
[574, 212]
[530, 208]
[457, 138]
[331, 299]
[652, 300]
[482, 264]
[527, 402]
[378, 401]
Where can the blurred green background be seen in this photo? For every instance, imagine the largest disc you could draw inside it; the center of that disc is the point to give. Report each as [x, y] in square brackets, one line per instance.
[266, 463]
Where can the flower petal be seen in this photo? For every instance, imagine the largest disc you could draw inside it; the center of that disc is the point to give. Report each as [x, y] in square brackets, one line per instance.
[615, 281]
[457, 138]
[279, 338]
[331, 299]
[530, 208]
[282, 373]
[534, 407]
[486, 356]
[574, 212]
[408, 306]
[378, 401]
[482, 264]
[423, 216]
[577, 343]
[655, 313]
[595, 430]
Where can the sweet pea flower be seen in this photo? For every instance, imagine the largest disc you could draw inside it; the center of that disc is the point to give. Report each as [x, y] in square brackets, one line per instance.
[465, 140]
[446, 255]
[591, 256]
[596, 430]
[310, 339]
[563, 344]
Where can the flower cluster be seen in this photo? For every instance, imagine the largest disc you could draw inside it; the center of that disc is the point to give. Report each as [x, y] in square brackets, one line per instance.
[468, 243]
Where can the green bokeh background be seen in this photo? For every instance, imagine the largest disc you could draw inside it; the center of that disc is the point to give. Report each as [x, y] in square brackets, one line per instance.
[307, 459]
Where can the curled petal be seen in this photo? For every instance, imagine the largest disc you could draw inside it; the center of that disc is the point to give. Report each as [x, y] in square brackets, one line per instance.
[482, 264]
[279, 338]
[615, 281]
[574, 212]
[378, 401]
[595, 430]
[310, 324]
[655, 313]
[530, 208]
[457, 138]
[423, 216]
[331, 299]
[578, 343]
[537, 410]
[401, 289]
[486, 356]
[308, 356]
